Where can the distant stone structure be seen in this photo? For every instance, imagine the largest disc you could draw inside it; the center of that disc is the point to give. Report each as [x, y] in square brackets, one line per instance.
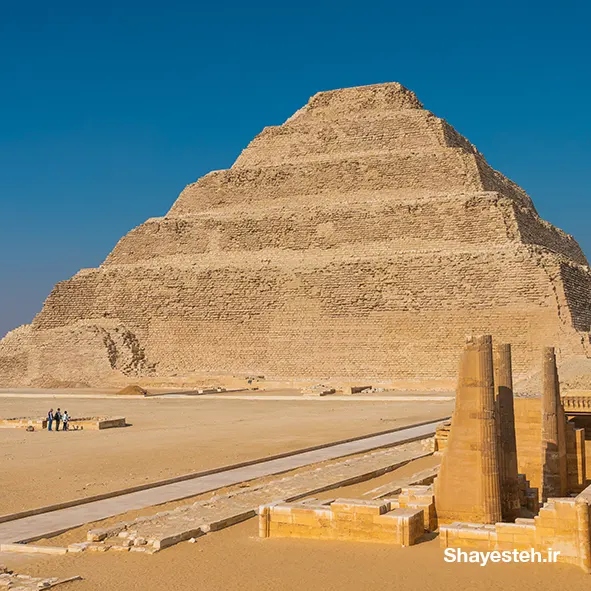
[74, 424]
[360, 240]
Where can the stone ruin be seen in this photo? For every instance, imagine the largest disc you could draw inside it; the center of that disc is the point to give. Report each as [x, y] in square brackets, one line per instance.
[480, 499]
[21, 582]
[487, 445]
[359, 240]
[74, 423]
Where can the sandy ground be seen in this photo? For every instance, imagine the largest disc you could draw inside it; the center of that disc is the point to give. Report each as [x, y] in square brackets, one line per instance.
[235, 559]
[169, 437]
[353, 491]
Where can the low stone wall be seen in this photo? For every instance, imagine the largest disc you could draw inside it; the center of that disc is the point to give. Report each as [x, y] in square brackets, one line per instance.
[88, 423]
[562, 525]
[95, 424]
[343, 519]
[22, 423]
[419, 497]
[577, 401]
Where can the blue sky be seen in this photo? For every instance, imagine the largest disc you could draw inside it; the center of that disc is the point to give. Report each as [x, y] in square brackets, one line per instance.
[108, 109]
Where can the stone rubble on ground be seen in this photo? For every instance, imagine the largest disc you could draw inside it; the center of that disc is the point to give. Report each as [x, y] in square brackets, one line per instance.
[19, 582]
[152, 533]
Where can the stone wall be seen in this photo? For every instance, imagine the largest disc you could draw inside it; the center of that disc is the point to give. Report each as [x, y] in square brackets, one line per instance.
[249, 317]
[343, 519]
[577, 288]
[533, 230]
[75, 424]
[446, 222]
[528, 432]
[562, 525]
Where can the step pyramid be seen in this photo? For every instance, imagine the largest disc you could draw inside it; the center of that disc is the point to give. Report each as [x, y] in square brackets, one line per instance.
[362, 239]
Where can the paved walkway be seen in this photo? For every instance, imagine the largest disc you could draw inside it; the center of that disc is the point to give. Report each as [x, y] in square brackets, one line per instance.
[166, 528]
[46, 524]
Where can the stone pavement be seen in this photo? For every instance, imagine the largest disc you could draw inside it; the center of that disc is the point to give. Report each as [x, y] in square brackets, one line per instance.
[52, 523]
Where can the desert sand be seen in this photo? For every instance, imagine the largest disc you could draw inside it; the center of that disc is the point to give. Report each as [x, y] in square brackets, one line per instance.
[169, 437]
[235, 559]
[172, 436]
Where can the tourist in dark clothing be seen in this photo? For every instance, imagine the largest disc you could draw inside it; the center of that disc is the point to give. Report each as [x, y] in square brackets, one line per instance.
[57, 417]
[49, 419]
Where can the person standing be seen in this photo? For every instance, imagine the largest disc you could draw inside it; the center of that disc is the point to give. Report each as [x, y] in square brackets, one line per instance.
[57, 417]
[49, 419]
[65, 420]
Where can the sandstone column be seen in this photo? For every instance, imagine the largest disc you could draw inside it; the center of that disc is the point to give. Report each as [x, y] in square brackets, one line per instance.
[583, 533]
[468, 485]
[510, 505]
[553, 432]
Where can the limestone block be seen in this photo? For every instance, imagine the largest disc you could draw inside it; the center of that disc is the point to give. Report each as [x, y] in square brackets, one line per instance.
[356, 389]
[470, 461]
[97, 547]
[171, 540]
[32, 549]
[98, 535]
[344, 519]
[227, 522]
[359, 507]
[78, 547]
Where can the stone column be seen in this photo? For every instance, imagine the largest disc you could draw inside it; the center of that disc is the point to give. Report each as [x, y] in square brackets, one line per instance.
[468, 485]
[583, 533]
[510, 506]
[553, 433]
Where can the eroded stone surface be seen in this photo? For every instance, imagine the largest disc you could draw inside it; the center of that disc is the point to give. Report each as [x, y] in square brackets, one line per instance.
[470, 462]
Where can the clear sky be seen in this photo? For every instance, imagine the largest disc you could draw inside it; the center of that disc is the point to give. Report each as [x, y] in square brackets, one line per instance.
[108, 109]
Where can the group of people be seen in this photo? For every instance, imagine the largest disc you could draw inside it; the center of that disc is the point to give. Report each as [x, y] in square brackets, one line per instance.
[57, 417]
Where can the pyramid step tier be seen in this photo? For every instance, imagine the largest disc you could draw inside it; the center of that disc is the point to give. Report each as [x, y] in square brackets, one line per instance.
[341, 282]
[439, 171]
[450, 222]
[305, 141]
[363, 238]
[284, 343]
